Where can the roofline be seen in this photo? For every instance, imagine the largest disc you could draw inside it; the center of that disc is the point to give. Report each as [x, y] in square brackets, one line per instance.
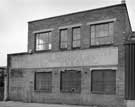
[21, 53]
[78, 12]
[3, 67]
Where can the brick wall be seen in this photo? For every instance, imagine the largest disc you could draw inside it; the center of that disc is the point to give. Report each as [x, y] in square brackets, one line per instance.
[96, 57]
[108, 59]
[27, 93]
[121, 30]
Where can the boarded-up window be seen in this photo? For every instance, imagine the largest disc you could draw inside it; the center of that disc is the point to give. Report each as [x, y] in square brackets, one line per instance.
[103, 81]
[63, 39]
[76, 37]
[101, 33]
[43, 81]
[43, 41]
[71, 81]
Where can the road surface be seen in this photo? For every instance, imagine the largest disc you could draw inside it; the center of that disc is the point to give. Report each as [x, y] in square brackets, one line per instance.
[21, 104]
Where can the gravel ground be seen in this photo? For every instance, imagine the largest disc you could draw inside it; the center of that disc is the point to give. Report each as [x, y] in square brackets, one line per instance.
[20, 104]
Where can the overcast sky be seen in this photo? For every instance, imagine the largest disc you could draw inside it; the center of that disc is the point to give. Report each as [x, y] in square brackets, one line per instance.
[14, 15]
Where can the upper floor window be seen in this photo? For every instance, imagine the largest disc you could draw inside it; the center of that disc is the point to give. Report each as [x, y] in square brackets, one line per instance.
[101, 33]
[63, 39]
[76, 37]
[43, 41]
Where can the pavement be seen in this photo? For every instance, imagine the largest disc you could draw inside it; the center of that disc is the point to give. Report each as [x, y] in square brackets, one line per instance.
[21, 104]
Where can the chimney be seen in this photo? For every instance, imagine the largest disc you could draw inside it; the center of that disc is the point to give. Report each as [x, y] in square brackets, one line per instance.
[123, 1]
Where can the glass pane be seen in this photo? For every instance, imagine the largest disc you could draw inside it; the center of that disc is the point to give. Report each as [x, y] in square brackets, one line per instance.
[39, 41]
[109, 81]
[40, 47]
[98, 30]
[64, 45]
[92, 28]
[50, 37]
[76, 44]
[102, 30]
[102, 34]
[110, 29]
[45, 47]
[92, 31]
[76, 33]
[43, 41]
[92, 41]
[49, 46]
[63, 34]
[104, 40]
[44, 37]
[97, 81]
[106, 30]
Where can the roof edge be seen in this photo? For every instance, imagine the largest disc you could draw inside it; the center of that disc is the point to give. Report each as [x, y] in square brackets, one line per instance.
[122, 4]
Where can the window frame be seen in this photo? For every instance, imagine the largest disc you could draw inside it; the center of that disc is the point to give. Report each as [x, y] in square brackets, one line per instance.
[96, 38]
[60, 40]
[63, 91]
[49, 41]
[35, 80]
[102, 92]
[78, 47]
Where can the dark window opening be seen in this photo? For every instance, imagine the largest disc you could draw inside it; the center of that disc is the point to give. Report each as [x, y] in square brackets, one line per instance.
[43, 81]
[71, 81]
[103, 81]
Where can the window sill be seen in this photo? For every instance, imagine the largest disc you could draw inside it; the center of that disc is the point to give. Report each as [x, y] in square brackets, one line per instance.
[102, 93]
[69, 92]
[42, 51]
[102, 45]
[63, 49]
[75, 48]
[50, 91]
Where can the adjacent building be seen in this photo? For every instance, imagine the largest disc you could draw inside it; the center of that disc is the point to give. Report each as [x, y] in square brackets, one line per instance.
[2, 82]
[78, 58]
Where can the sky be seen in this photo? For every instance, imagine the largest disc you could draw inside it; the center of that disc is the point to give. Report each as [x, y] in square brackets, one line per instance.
[15, 15]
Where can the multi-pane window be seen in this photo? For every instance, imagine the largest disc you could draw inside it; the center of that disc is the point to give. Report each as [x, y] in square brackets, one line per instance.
[63, 39]
[43, 81]
[71, 81]
[103, 81]
[101, 33]
[43, 41]
[76, 37]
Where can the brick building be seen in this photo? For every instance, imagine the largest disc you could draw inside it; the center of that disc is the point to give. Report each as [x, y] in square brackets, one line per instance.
[78, 58]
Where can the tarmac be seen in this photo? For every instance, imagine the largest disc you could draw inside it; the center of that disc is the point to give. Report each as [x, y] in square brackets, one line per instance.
[21, 104]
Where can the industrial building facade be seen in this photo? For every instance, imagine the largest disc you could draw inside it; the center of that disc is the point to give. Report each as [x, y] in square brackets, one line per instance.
[77, 58]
